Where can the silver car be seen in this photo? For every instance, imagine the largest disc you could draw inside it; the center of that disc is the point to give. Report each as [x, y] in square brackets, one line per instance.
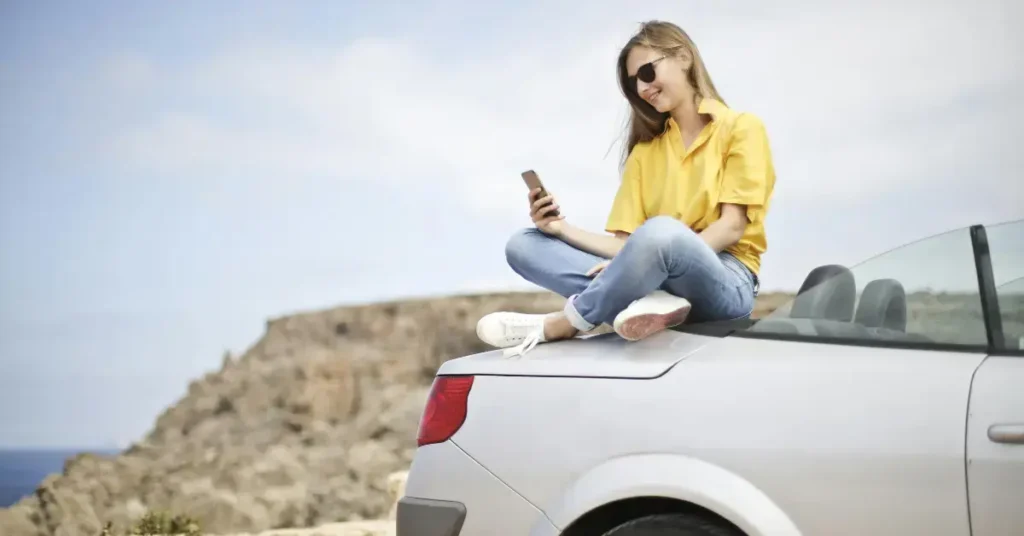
[884, 400]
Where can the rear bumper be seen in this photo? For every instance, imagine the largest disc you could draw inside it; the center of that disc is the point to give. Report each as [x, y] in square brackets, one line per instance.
[427, 517]
[449, 494]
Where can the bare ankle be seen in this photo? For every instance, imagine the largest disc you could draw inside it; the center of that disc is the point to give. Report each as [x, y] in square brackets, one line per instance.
[557, 327]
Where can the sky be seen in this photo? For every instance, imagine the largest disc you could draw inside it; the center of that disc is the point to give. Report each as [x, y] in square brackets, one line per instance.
[171, 177]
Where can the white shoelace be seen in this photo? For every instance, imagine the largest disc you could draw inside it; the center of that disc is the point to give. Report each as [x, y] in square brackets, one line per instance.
[528, 344]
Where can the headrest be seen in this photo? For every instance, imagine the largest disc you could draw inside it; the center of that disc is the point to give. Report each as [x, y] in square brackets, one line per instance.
[828, 293]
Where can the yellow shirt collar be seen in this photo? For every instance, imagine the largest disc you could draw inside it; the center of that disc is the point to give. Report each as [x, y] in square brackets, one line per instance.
[709, 106]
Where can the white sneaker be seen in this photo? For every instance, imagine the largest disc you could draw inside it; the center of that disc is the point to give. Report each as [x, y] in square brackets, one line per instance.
[518, 333]
[652, 313]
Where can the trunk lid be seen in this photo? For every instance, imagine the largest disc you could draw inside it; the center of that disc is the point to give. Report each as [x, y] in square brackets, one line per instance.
[597, 356]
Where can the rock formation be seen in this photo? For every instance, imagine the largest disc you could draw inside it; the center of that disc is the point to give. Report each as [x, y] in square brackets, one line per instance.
[300, 431]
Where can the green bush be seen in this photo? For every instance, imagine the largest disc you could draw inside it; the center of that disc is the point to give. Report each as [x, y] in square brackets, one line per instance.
[159, 524]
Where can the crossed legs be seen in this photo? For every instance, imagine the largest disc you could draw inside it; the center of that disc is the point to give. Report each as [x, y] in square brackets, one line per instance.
[663, 258]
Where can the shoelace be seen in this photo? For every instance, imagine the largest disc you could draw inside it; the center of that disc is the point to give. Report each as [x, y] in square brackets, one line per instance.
[528, 343]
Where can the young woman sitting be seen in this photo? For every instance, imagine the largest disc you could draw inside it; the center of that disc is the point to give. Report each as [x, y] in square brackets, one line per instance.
[687, 223]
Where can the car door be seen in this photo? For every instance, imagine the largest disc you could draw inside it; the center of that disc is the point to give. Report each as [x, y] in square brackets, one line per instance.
[995, 425]
[886, 352]
[995, 448]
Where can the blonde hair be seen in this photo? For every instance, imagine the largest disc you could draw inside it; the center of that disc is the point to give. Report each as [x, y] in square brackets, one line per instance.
[645, 122]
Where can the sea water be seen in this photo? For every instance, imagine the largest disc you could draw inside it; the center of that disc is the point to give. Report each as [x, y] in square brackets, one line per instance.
[21, 471]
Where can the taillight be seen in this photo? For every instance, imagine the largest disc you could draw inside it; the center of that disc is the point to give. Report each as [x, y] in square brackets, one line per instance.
[446, 409]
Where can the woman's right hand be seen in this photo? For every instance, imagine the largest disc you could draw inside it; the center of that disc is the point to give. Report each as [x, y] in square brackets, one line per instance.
[540, 213]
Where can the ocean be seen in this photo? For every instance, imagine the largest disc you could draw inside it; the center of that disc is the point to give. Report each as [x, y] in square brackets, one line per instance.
[21, 471]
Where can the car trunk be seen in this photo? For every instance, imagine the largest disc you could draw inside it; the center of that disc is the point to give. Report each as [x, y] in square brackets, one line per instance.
[598, 356]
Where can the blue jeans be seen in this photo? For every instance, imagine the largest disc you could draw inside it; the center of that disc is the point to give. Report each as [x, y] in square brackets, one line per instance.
[662, 254]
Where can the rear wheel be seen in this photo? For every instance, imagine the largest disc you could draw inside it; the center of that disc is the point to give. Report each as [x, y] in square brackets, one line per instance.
[673, 525]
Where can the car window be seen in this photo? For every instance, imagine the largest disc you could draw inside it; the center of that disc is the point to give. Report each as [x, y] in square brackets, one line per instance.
[1011, 309]
[1006, 247]
[922, 294]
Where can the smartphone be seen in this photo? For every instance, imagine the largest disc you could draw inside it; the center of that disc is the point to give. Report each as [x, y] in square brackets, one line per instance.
[533, 182]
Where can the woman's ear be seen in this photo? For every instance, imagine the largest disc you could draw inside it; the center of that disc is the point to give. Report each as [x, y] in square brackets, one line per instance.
[685, 59]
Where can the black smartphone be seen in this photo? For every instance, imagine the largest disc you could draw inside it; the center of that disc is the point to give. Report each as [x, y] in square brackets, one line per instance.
[533, 182]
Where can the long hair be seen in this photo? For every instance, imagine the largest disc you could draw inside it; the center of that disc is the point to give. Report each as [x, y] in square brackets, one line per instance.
[645, 122]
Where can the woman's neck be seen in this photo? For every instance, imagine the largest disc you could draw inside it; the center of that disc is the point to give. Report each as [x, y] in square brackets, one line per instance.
[686, 117]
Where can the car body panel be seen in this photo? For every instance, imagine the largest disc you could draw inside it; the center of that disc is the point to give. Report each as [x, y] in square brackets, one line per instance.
[995, 470]
[444, 472]
[678, 477]
[606, 355]
[882, 452]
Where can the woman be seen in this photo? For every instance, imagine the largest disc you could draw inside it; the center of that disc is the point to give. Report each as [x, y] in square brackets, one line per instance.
[687, 223]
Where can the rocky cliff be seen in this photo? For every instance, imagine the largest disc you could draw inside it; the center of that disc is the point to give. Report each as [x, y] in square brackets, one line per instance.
[302, 430]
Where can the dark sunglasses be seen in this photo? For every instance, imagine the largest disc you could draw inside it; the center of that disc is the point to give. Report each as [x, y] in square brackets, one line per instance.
[645, 73]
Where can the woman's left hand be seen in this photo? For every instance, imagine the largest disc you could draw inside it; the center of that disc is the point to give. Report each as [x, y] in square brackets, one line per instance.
[597, 268]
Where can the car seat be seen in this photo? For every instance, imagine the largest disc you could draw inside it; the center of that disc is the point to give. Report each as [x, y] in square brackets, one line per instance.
[828, 293]
[883, 304]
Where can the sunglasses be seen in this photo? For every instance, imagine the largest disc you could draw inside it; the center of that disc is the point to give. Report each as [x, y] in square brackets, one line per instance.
[645, 73]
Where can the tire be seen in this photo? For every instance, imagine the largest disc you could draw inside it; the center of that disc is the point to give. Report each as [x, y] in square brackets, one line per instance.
[673, 525]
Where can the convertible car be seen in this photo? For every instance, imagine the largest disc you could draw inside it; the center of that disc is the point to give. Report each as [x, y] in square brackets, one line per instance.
[886, 399]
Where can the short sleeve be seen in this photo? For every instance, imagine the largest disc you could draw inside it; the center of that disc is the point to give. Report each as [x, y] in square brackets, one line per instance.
[748, 177]
[627, 212]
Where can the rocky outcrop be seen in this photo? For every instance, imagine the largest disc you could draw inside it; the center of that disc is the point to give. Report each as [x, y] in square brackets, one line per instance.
[379, 527]
[300, 431]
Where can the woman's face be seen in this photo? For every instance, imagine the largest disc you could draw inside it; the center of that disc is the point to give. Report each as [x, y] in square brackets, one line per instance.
[668, 87]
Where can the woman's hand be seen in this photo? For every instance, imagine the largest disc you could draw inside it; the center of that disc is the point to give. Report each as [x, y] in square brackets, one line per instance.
[540, 210]
[598, 268]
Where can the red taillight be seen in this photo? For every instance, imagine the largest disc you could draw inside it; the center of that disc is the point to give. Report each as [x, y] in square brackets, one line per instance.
[446, 409]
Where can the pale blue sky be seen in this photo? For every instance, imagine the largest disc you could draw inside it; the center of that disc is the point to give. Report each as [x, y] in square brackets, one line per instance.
[171, 175]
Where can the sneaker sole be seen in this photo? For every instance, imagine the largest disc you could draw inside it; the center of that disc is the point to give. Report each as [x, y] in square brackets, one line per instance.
[645, 325]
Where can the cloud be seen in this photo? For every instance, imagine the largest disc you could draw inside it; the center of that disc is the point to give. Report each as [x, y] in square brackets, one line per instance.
[871, 97]
[853, 102]
[864, 103]
[126, 73]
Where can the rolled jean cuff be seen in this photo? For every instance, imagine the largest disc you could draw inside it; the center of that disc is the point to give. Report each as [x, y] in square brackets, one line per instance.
[575, 318]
